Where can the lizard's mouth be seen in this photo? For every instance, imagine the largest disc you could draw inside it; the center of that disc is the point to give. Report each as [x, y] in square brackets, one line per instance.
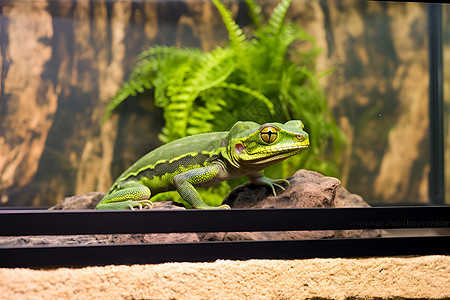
[271, 155]
[283, 148]
[279, 148]
[239, 148]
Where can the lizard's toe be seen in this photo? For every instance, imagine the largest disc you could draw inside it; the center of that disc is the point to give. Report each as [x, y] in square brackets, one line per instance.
[140, 205]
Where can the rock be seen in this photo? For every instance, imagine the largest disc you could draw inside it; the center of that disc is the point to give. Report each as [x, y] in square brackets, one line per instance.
[346, 199]
[307, 189]
[89, 201]
[48, 240]
[14, 241]
[81, 201]
[153, 238]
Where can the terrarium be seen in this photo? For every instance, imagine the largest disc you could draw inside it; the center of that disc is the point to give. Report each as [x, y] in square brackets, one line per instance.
[88, 88]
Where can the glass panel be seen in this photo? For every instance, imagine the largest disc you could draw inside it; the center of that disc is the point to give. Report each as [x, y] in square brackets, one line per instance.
[62, 61]
[379, 93]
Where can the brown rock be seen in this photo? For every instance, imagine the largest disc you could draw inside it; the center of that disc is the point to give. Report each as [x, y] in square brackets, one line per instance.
[307, 189]
[153, 238]
[48, 240]
[346, 199]
[81, 201]
[89, 201]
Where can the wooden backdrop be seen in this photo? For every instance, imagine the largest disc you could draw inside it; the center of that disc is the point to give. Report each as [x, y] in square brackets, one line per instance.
[62, 60]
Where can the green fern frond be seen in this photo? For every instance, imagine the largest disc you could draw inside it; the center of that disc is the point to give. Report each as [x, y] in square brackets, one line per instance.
[237, 38]
[277, 18]
[254, 93]
[202, 117]
[148, 74]
[255, 13]
[235, 33]
[184, 87]
[129, 89]
[176, 112]
[215, 68]
[288, 34]
[161, 53]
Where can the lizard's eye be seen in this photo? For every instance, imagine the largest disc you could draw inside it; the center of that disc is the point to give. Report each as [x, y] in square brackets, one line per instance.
[269, 134]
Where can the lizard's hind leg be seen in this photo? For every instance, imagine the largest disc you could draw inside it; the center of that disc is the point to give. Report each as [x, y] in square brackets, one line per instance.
[130, 195]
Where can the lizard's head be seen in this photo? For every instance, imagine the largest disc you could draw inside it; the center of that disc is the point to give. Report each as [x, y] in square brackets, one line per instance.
[252, 144]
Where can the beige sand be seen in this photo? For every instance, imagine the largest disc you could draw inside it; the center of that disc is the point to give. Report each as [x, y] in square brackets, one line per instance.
[410, 277]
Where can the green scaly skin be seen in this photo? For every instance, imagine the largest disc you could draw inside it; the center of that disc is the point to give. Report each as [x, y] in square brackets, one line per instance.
[207, 159]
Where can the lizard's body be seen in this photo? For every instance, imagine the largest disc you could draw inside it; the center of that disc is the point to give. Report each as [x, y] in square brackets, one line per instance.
[204, 160]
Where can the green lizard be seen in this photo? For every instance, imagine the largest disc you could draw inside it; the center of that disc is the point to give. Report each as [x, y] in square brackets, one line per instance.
[207, 159]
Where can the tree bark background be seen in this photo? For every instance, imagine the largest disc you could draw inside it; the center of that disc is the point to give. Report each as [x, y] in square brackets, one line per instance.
[62, 61]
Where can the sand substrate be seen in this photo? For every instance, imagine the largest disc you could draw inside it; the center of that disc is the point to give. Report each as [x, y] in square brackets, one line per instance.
[388, 277]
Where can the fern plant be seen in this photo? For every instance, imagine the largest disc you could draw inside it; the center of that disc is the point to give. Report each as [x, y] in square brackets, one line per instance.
[262, 78]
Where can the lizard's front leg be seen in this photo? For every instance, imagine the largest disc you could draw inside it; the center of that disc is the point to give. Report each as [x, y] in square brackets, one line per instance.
[130, 194]
[260, 179]
[184, 184]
